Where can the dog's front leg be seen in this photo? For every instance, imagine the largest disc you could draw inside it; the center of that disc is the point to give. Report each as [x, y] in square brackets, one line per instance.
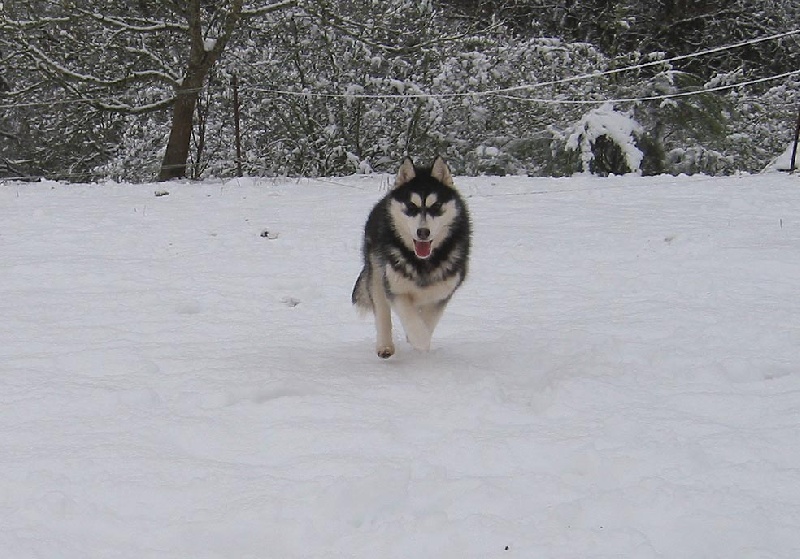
[417, 332]
[383, 320]
[432, 313]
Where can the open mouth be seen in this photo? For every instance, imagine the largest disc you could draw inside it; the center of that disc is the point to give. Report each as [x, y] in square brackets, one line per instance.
[422, 248]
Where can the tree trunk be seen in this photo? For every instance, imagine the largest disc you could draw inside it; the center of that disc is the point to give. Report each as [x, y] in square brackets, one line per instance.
[173, 165]
[202, 56]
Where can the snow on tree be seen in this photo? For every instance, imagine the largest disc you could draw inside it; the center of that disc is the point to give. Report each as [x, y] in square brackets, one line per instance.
[111, 58]
[98, 89]
[606, 141]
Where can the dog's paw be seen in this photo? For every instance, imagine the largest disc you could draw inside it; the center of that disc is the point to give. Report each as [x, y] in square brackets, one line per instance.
[385, 351]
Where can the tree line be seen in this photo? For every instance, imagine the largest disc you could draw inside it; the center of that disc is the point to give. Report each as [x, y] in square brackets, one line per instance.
[144, 90]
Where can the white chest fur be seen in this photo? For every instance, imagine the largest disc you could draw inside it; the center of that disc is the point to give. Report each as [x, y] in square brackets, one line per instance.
[420, 296]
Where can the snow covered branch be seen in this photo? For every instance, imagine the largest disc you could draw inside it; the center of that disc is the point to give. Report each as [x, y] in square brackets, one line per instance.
[134, 27]
[131, 77]
[252, 12]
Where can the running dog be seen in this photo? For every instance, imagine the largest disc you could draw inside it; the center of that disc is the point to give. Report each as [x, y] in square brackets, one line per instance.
[416, 254]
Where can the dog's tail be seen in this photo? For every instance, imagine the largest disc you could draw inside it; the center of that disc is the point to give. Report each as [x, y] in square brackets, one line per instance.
[361, 297]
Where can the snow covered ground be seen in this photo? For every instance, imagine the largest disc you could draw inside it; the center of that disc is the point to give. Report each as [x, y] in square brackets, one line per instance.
[618, 377]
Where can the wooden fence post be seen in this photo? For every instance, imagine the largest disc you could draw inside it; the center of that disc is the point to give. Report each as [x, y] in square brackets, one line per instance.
[794, 147]
[236, 125]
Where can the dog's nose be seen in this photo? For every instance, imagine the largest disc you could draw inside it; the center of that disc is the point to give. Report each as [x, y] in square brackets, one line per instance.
[423, 233]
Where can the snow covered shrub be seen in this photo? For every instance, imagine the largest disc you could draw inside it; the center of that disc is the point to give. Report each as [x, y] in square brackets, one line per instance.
[761, 124]
[323, 101]
[311, 88]
[608, 157]
[491, 160]
[137, 155]
[692, 124]
[511, 130]
[606, 140]
[697, 159]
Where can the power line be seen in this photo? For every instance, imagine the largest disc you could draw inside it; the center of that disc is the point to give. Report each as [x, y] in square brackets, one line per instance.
[662, 97]
[537, 85]
[542, 100]
[506, 91]
[105, 103]
[657, 62]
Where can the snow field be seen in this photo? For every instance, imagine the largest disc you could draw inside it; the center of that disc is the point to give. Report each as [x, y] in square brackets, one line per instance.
[618, 377]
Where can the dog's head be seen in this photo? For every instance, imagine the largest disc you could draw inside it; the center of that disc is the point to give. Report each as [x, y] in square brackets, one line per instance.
[423, 206]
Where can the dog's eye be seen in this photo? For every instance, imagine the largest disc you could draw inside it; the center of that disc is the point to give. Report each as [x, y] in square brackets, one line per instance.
[412, 210]
[436, 208]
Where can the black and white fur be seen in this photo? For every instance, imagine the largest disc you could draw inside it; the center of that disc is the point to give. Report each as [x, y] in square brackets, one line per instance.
[416, 252]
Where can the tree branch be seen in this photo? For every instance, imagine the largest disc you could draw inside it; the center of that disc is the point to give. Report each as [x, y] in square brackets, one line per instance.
[248, 12]
[151, 27]
[146, 75]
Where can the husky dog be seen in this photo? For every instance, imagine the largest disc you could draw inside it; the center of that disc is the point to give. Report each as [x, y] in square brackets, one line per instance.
[416, 250]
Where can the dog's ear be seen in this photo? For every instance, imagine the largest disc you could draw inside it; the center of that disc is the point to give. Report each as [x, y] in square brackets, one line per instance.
[406, 173]
[441, 172]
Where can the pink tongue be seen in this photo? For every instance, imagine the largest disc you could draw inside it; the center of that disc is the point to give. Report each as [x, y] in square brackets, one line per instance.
[422, 248]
